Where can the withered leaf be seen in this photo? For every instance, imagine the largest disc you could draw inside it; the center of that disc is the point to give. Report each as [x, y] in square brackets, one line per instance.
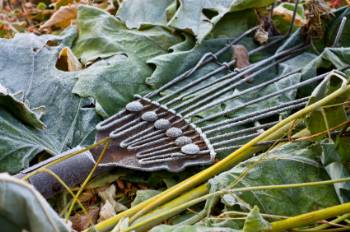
[241, 56]
[81, 222]
[62, 18]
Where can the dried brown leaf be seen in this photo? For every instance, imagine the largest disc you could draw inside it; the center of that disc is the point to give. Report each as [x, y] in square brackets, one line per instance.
[81, 222]
[241, 56]
[62, 18]
[67, 61]
[87, 196]
[107, 211]
[287, 15]
[111, 206]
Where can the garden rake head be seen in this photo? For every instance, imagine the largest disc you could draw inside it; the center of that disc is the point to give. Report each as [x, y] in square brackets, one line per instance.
[188, 125]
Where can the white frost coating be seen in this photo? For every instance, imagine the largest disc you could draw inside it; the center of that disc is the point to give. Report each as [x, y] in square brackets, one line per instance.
[149, 116]
[162, 124]
[190, 149]
[173, 132]
[134, 106]
[183, 140]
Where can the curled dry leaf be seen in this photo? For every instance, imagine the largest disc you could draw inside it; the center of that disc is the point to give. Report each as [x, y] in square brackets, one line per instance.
[62, 18]
[81, 222]
[122, 225]
[20, 109]
[314, 11]
[241, 56]
[338, 3]
[110, 206]
[87, 196]
[67, 61]
[261, 36]
[107, 211]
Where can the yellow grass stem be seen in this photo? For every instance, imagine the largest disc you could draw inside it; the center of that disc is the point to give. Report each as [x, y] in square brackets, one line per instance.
[87, 179]
[59, 180]
[307, 218]
[156, 218]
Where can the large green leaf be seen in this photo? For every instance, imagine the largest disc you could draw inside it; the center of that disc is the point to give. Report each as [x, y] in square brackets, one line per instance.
[330, 58]
[185, 55]
[337, 58]
[22, 208]
[19, 144]
[175, 63]
[19, 109]
[142, 195]
[255, 222]
[200, 17]
[28, 58]
[282, 69]
[326, 118]
[101, 35]
[336, 167]
[290, 163]
[332, 27]
[113, 82]
[145, 12]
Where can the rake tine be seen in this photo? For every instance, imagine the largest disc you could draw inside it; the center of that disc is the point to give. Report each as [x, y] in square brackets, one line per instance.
[145, 153]
[200, 64]
[254, 88]
[271, 142]
[243, 131]
[339, 32]
[219, 101]
[254, 116]
[145, 139]
[224, 67]
[277, 93]
[295, 10]
[164, 158]
[150, 143]
[161, 152]
[226, 83]
[228, 46]
[212, 73]
[245, 137]
[110, 122]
